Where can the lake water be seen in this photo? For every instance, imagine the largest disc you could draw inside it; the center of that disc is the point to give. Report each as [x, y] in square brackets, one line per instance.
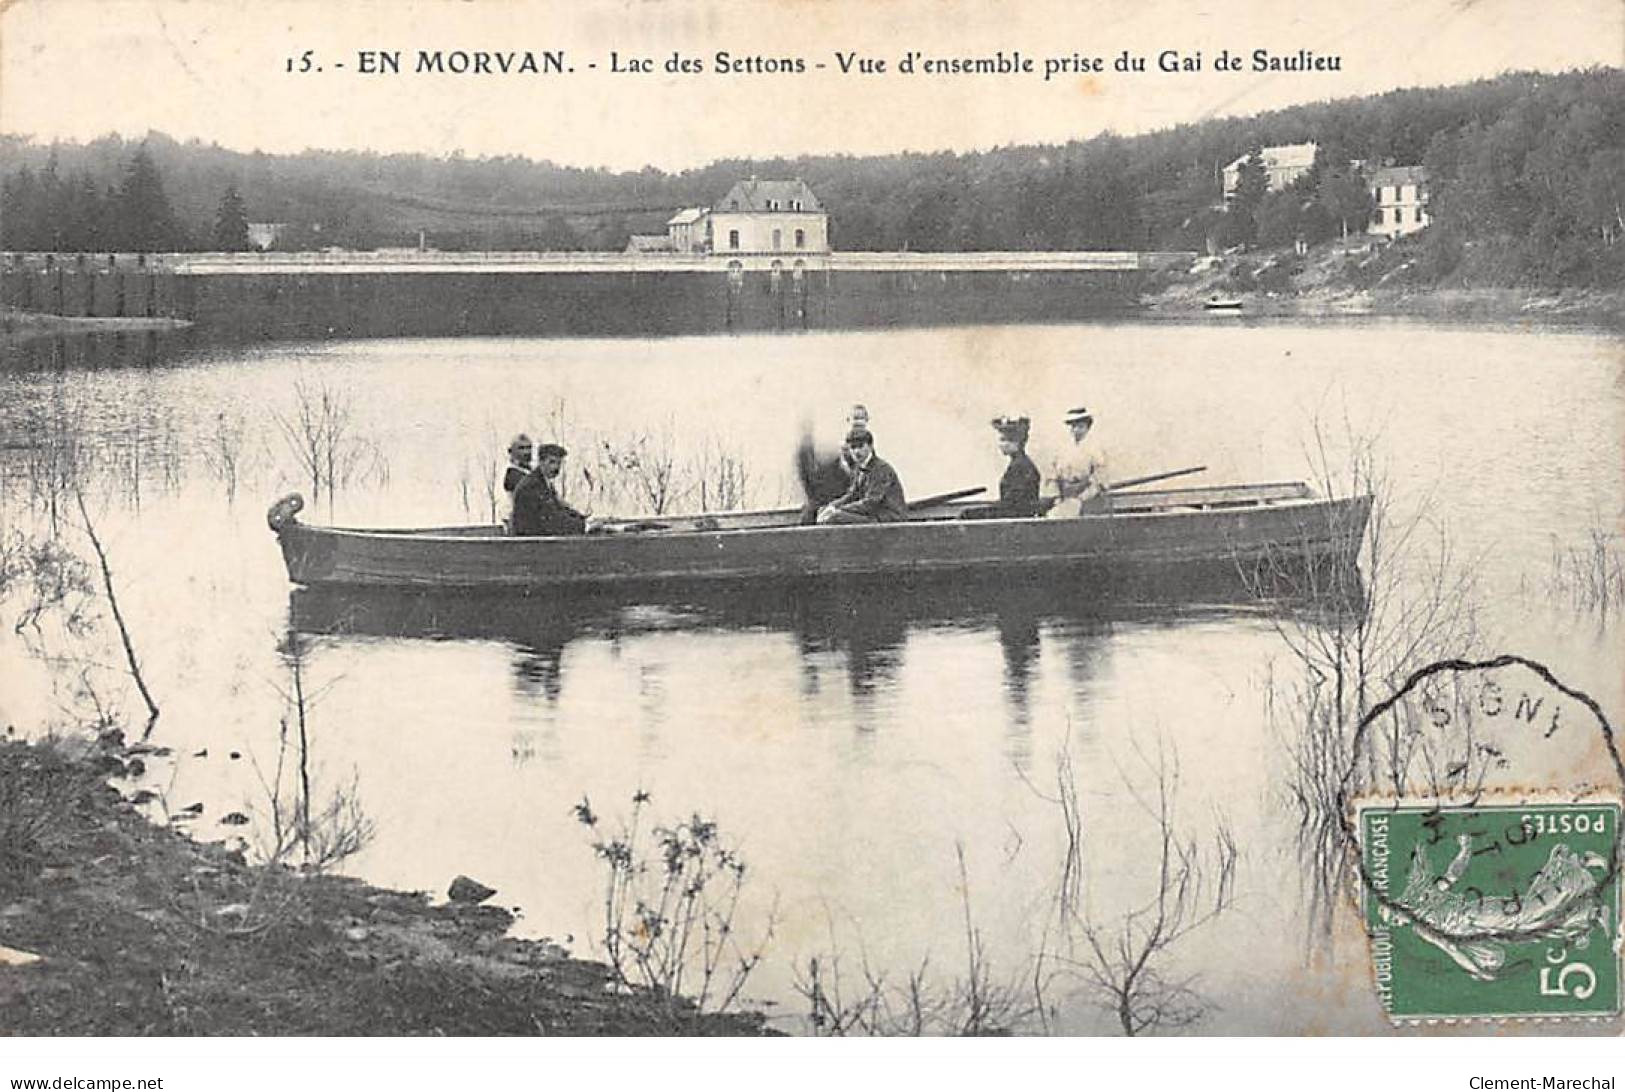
[852, 743]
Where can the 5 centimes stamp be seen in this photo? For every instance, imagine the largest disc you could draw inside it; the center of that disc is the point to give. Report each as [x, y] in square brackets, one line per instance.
[1493, 910]
[1482, 816]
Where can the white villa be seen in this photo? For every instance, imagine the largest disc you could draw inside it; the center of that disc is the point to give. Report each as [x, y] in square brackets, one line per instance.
[1283, 165]
[756, 217]
[1400, 198]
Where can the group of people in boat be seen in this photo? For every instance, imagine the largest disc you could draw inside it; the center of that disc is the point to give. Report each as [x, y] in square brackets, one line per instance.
[529, 484]
[855, 486]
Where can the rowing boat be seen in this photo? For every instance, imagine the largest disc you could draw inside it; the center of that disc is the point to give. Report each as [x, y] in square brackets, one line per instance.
[1234, 528]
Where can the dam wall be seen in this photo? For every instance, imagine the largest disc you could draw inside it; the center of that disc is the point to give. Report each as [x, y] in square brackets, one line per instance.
[257, 297]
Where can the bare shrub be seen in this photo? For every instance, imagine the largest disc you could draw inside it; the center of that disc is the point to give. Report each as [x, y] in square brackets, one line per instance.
[717, 477]
[320, 433]
[224, 450]
[52, 600]
[56, 458]
[42, 578]
[1122, 958]
[1589, 577]
[671, 897]
[642, 468]
[108, 589]
[1391, 597]
[981, 1006]
[973, 1003]
[838, 1005]
[299, 827]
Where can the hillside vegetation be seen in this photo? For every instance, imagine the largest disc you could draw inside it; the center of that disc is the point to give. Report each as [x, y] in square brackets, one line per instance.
[1527, 188]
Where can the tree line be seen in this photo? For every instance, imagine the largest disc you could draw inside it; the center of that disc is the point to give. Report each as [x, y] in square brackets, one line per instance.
[1527, 185]
[49, 210]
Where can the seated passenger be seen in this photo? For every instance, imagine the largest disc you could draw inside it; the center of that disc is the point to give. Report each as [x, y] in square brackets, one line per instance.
[1018, 489]
[537, 507]
[875, 495]
[1080, 473]
[519, 464]
[825, 478]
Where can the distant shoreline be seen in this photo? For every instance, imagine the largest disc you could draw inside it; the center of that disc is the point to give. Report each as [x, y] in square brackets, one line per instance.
[1508, 306]
[1318, 286]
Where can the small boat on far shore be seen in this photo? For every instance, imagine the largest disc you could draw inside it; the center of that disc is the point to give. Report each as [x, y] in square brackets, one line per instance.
[1222, 304]
[1231, 528]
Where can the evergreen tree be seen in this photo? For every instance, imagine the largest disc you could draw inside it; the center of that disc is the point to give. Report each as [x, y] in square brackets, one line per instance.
[231, 222]
[54, 212]
[1345, 199]
[1251, 186]
[144, 220]
[87, 212]
[21, 211]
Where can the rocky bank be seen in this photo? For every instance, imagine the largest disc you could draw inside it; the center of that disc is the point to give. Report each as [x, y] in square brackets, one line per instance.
[111, 925]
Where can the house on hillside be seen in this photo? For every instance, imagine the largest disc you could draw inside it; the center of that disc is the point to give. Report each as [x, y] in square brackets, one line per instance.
[264, 236]
[1399, 200]
[1284, 164]
[768, 217]
[649, 244]
[689, 231]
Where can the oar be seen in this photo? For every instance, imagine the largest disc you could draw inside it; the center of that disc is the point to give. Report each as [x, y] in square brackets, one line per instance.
[1049, 502]
[914, 506]
[944, 498]
[1149, 478]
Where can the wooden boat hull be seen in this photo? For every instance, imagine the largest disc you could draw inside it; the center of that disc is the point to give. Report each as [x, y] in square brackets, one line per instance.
[1235, 527]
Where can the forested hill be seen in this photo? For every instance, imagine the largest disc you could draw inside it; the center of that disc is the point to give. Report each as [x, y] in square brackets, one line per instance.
[1527, 187]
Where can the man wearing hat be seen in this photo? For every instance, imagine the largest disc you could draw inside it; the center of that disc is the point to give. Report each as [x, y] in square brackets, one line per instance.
[826, 477]
[519, 464]
[876, 493]
[1018, 489]
[1080, 472]
[537, 507]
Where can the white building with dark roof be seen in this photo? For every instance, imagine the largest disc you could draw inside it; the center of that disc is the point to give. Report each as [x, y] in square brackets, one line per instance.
[1284, 164]
[1399, 200]
[769, 217]
[690, 231]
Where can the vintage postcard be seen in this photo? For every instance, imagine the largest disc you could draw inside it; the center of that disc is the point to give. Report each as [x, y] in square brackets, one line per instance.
[812, 519]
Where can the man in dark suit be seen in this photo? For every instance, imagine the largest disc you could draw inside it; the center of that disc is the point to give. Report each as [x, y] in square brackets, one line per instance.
[537, 506]
[875, 495]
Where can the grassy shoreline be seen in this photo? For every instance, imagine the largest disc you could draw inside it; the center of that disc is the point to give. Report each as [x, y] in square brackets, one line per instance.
[1332, 282]
[112, 925]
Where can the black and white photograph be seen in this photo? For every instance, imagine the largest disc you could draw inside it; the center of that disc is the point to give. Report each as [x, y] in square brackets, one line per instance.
[829, 523]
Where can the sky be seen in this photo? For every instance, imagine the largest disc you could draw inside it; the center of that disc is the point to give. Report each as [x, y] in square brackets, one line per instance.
[219, 70]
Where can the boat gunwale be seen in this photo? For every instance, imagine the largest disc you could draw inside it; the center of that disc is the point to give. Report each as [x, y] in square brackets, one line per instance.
[1184, 511]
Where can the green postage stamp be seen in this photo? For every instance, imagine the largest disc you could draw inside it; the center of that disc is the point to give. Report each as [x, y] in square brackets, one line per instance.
[1493, 912]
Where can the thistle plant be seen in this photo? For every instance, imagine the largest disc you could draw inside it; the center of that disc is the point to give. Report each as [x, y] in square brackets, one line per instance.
[671, 897]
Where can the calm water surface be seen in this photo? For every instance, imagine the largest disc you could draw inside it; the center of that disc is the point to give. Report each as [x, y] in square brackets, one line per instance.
[849, 740]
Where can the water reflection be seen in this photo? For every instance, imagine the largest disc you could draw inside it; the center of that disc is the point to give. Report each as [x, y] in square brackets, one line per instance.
[93, 352]
[860, 628]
